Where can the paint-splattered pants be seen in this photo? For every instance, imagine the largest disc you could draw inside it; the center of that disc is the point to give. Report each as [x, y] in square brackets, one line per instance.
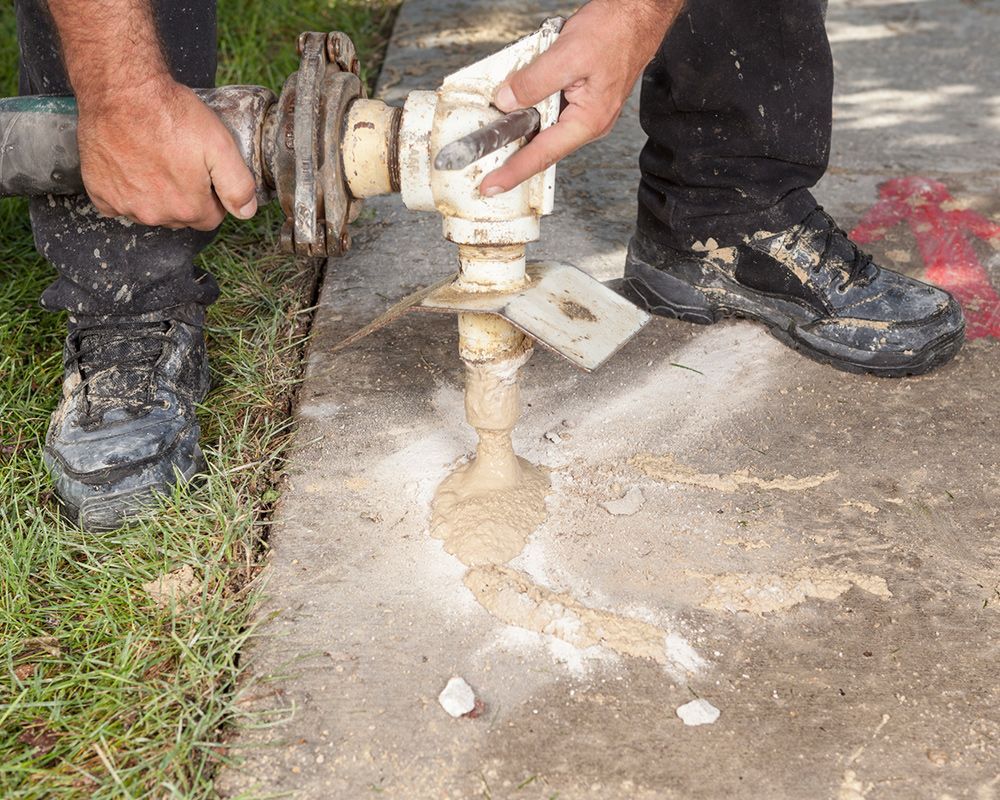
[737, 106]
[106, 267]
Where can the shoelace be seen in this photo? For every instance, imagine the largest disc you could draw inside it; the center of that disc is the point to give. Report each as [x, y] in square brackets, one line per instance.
[117, 363]
[861, 263]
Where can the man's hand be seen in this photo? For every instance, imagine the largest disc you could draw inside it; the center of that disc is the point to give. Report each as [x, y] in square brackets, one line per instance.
[595, 62]
[150, 150]
[158, 155]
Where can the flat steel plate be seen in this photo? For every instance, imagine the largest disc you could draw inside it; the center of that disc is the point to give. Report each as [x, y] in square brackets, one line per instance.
[562, 307]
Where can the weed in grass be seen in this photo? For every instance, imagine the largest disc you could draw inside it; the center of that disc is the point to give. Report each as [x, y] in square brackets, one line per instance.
[104, 692]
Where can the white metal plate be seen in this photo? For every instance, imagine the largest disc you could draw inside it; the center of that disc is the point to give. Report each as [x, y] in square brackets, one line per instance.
[562, 307]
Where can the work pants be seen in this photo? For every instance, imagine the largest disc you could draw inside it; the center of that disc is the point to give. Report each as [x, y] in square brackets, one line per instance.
[112, 267]
[737, 105]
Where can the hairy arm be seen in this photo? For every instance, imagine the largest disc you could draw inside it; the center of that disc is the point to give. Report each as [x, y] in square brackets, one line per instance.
[150, 150]
[595, 62]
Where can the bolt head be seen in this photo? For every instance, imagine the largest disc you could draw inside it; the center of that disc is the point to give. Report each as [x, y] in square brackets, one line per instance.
[286, 239]
[332, 48]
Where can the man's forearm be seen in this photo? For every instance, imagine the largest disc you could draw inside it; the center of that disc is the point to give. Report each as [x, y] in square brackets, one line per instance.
[111, 50]
[150, 150]
[660, 13]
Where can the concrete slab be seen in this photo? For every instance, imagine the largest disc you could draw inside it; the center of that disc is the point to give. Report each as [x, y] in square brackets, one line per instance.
[820, 550]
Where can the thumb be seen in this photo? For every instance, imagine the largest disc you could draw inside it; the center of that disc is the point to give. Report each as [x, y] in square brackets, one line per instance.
[546, 75]
[232, 180]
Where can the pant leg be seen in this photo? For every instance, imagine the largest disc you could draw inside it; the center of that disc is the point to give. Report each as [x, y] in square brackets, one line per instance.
[737, 106]
[114, 267]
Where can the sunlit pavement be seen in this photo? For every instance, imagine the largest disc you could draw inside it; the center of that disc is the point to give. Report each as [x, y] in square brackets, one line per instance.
[843, 622]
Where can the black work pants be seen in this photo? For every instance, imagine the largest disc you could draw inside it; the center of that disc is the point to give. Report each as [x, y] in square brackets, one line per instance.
[112, 267]
[737, 107]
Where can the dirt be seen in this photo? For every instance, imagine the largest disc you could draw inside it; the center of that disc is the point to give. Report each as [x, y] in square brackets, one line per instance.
[173, 588]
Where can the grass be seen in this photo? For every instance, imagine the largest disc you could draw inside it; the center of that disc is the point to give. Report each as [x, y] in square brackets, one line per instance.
[105, 693]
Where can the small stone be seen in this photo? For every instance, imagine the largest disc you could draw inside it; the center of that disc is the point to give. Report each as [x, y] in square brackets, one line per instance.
[457, 698]
[625, 506]
[553, 437]
[698, 712]
[937, 757]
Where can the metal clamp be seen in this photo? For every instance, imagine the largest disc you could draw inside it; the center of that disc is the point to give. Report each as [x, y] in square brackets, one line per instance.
[306, 159]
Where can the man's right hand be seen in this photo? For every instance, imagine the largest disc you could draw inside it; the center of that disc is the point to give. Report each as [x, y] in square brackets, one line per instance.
[595, 62]
[156, 154]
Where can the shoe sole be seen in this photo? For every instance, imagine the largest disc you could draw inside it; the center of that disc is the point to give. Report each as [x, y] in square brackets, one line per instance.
[667, 296]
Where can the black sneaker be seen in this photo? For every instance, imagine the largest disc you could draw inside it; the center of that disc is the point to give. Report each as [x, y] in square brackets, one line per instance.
[814, 289]
[125, 428]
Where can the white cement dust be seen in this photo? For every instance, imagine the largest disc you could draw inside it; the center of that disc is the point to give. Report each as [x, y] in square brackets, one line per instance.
[767, 593]
[665, 469]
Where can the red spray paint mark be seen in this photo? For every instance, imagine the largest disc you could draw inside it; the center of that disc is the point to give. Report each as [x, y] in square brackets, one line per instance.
[942, 231]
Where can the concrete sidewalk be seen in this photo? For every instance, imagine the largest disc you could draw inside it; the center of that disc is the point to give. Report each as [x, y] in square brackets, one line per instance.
[843, 619]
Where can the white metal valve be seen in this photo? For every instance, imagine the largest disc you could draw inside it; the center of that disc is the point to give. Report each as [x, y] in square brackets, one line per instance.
[479, 225]
[498, 297]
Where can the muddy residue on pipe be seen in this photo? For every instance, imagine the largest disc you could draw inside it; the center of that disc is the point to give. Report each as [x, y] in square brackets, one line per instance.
[486, 509]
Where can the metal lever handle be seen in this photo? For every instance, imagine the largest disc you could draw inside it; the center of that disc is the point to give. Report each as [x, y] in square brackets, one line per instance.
[488, 139]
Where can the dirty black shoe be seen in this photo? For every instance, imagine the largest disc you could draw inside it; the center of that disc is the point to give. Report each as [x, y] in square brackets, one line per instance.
[125, 428]
[815, 291]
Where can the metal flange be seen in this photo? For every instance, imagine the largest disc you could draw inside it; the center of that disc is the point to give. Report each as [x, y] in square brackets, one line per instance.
[305, 146]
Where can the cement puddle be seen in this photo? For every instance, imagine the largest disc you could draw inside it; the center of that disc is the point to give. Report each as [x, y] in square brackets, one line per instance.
[486, 510]
[665, 469]
[484, 521]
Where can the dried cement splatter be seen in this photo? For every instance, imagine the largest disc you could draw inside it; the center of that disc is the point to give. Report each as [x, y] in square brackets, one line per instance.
[665, 469]
[851, 788]
[173, 587]
[627, 505]
[766, 593]
[712, 251]
[513, 598]
[861, 505]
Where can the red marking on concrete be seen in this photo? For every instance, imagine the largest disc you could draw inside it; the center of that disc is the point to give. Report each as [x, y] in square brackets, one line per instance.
[942, 235]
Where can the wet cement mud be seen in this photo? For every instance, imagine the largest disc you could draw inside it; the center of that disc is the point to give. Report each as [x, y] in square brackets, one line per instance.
[486, 510]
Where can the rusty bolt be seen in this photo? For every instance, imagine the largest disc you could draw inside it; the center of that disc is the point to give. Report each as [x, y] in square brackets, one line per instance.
[332, 48]
[300, 44]
[286, 238]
